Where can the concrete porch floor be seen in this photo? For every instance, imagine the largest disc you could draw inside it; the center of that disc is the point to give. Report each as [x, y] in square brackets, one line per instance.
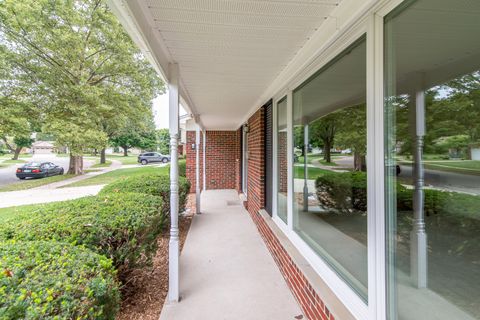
[226, 271]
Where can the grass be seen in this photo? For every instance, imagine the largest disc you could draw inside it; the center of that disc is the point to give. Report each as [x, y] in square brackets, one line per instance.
[102, 165]
[130, 159]
[10, 212]
[466, 166]
[13, 161]
[33, 183]
[458, 166]
[115, 175]
[313, 173]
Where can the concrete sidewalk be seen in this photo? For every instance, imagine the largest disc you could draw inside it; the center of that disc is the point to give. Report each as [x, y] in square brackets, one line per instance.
[226, 270]
[34, 196]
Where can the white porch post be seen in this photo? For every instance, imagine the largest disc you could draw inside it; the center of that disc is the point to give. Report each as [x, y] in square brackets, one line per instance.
[305, 168]
[418, 236]
[204, 145]
[173, 252]
[197, 169]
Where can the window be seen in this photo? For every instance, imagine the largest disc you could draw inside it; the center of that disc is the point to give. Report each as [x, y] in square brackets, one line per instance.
[330, 179]
[432, 145]
[282, 166]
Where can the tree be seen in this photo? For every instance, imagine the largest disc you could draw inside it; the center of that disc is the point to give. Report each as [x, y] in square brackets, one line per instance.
[322, 132]
[352, 133]
[77, 57]
[140, 134]
[163, 137]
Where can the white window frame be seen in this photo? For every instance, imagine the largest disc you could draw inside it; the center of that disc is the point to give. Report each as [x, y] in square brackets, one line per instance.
[371, 24]
[281, 224]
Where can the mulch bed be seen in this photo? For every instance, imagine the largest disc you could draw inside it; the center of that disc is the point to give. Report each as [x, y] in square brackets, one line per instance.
[144, 295]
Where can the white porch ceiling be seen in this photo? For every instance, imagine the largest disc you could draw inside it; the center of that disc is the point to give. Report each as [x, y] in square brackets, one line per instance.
[230, 51]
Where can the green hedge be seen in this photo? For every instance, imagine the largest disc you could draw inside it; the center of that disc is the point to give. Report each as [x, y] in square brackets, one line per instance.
[347, 192]
[152, 184]
[123, 227]
[182, 168]
[50, 280]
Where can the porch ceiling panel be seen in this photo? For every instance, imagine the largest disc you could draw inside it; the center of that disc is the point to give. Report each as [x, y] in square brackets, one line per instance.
[230, 51]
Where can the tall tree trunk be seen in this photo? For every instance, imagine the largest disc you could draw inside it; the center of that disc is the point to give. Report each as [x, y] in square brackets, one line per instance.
[326, 151]
[102, 156]
[76, 165]
[17, 153]
[359, 163]
[125, 151]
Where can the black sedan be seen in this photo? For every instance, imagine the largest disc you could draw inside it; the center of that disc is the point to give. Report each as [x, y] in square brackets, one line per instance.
[38, 170]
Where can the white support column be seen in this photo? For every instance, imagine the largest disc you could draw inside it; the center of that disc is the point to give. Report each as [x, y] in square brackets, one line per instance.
[305, 168]
[174, 247]
[204, 145]
[418, 236]
[197, 170]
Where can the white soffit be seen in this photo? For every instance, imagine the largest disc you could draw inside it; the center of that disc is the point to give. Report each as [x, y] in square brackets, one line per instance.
[230, 51]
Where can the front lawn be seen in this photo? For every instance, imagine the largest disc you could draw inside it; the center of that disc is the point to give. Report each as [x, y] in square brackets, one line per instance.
[33, 183]
[313, 173]
[10, 161]
[130, 159]
[118, 174]
[107, 163]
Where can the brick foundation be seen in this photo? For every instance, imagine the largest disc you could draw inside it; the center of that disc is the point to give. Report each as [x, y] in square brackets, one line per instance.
[309, 301]
[312, 306]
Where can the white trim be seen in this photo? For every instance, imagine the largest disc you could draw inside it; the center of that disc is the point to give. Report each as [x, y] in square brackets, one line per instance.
[174, 243]
[290, 160]
[275, 159]
[204, 146]
[376, 308]
[197, 170]
[275, 215]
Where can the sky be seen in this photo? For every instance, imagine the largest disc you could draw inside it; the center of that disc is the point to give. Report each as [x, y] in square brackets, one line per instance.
[160, 111]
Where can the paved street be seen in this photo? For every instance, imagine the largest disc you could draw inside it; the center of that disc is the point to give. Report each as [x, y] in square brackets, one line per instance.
[7, 175]
[451, 181]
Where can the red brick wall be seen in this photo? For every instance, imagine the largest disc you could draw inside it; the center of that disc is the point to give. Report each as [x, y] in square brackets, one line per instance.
[256, 162]
[311, 304]
[222, 157]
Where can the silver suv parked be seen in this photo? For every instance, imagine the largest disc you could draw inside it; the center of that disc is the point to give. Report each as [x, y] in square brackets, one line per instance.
[148, 157]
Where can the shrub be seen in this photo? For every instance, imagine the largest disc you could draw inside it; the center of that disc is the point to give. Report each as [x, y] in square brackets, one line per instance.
[123, 227]
[156, 184]
[345, 192]
[51, 280]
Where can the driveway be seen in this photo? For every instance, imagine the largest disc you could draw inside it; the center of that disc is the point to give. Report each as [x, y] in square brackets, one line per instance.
[7, 175]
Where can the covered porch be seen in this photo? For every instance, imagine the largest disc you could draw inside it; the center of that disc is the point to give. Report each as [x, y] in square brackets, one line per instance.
[226, 270]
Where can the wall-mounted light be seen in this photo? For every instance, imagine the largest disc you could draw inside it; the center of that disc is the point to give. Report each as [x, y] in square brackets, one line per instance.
[193, 146]
[246, 128]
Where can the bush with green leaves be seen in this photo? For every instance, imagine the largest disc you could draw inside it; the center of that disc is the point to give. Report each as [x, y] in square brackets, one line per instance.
[347, 192]
[123, 227]
[342, 191]
[52, 280]
[152, 184]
